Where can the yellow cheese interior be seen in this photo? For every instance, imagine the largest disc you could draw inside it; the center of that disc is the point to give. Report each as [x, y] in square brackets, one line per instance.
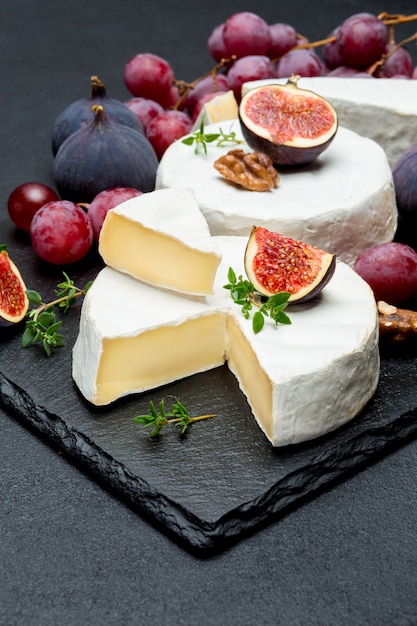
[252, 379]
[161, 355]
[155, 257]
[220, 108]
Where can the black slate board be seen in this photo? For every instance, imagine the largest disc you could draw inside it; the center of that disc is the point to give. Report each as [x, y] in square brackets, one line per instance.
[223, 480]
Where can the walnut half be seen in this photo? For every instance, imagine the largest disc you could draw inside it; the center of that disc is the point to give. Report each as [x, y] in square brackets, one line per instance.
[251, 170]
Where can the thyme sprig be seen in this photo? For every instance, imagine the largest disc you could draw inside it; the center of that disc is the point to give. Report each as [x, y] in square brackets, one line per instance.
[244, 294]
[42, 324]
[179, 416]
[201, 139]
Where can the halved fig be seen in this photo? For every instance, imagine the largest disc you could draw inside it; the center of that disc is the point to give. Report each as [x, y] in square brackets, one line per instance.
[14, 302]
[275, 263]
[293, 126]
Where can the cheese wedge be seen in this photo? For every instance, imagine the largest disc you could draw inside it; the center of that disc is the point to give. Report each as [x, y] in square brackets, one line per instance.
[162, 238]
[220, 108]
[301, 381]
[343, 203]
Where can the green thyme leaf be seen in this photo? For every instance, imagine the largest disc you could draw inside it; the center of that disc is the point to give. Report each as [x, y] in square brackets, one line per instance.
[42, 324]
[201, 139]
[33, 296]
[178, 416]
[243, 294]
[258, 322]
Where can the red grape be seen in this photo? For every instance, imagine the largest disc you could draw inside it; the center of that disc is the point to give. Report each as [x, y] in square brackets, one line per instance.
[346, 71]
[252, 67]
[245, 34]
[209, 84]
[61, 232]
[283, 38]
[166, 128]
[301, 62]
[150, 76]
[390, 269]
[25, 200]
[144, 109]
[106, 200]
[399, 63]
[216, 45]
[363, 39]
[332, 54]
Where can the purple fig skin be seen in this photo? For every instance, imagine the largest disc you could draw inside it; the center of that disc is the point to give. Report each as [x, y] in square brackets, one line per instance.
[78, 114]
[319, 287]
[6, 324]
[281, 154]
[405, 182]
[101, 156]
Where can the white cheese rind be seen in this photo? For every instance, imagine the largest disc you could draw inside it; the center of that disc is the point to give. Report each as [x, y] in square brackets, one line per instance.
[162, 238]
[343, 203]
[301, 380]
[383, 109]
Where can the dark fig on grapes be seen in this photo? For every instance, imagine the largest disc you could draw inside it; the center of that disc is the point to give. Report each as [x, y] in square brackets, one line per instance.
[79, 114]
[293, 126]
[405, 183]
[102, 156]
[276, 264]
[14, 302]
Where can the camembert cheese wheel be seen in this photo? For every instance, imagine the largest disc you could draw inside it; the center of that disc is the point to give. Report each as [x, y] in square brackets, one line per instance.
[343, 202]
[301, 381]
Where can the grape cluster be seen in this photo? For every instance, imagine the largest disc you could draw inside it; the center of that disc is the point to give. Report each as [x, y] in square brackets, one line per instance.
[246, 48]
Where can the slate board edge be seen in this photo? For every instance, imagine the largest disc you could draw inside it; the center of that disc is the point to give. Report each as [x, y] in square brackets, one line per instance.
[197, 535]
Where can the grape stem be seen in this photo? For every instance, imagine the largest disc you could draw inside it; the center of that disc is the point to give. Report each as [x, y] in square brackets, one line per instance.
[391, 20]
[185, 87]
[386, 56]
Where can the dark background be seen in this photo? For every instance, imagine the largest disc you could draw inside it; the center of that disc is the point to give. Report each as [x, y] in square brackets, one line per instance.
[69, 552]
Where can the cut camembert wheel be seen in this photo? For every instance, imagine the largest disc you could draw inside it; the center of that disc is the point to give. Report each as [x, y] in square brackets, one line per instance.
[343, 202]
[163, 239]
[301, 381]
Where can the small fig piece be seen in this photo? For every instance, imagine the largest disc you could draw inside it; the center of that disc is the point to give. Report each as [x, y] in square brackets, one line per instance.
[14, 302]
[275, 263]
[292, 125]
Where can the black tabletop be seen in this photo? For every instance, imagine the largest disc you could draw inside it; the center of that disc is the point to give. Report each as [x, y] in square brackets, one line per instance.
[70, 552]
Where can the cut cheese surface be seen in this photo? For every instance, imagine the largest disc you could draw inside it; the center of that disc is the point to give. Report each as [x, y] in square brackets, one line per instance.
[383, 109]
[301, 381]
[220, 108]
[162, 238]
[343, 202]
